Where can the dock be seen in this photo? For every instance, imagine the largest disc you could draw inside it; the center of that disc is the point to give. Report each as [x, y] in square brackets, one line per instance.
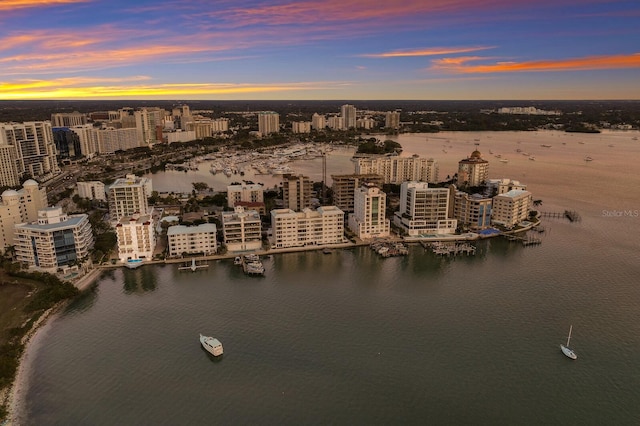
[193, 266]
[450, 248]
[386, 248]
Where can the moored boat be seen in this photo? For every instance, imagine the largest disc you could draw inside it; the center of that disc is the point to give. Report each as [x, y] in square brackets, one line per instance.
[212, 345]
[569, 353]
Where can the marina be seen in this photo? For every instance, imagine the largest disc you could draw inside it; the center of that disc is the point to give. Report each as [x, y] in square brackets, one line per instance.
[449, 248]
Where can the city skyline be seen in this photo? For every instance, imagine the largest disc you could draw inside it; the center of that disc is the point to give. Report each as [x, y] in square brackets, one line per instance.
[348, 49]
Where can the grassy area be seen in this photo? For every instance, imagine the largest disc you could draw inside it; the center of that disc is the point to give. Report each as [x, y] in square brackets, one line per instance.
[23, 300]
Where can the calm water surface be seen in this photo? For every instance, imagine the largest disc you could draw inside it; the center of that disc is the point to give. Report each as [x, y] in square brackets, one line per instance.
[349, 338]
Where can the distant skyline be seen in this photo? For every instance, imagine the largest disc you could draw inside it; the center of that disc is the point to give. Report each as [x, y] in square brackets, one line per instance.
[319, 50]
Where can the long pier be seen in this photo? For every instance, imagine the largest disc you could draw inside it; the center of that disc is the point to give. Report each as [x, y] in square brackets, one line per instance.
[572, 215]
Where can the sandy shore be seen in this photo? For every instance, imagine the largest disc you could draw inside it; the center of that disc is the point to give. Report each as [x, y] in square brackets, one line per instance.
[14, 398]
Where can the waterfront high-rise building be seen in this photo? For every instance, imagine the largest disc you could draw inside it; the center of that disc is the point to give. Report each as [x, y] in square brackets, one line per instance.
[344, 187]
[136, 237]
[35, 150]
[242, 230]
[424, 210]
[128, 196]
[296, 192]
[395, 169]
[473, 211]
[19, 207]
[473, 171]
[307, 228]
[511, 208]
[392, 120]
[348, 113]
[268, 122]
[54, 241]
[369, 217]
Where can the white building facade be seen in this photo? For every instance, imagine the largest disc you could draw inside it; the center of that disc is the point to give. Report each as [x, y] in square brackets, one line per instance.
[319, 227]
[511, 208]
[369, 217]
[54, 241]
[93, 190]
[192, 239]
[248, 193]
[20, 206]
[268, 122]
[395, 169]
[242, 230]
[424, 210]
[129, 196]
[136, 237]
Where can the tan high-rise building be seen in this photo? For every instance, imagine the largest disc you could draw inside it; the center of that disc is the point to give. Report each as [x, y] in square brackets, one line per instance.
[8, 166]
[344, 187]
[307, 228]
[19, 207]
[392, 120]
[473, 171]
[242, 230]
[68, 119]
[348, 113]
[268, 122]
[296, 192]
[35, 149]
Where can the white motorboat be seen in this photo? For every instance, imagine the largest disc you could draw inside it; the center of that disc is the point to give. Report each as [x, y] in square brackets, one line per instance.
[565, 348]
[212, 345]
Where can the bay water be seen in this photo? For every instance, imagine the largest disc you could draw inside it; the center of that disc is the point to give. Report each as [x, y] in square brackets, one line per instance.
[351, 338]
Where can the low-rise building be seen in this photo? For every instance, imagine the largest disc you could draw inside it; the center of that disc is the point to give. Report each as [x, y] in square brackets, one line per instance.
[307, 228]
[500, 186]
[247, 192]
[54, 241]
[192, 239]
[93, 190]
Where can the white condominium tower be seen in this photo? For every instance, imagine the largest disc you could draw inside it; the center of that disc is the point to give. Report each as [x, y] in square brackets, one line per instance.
[242, 230]
[268, 122]
[511, 208]
[395, 169]
[55, 240]
[136, 237]
[349, 116]
[128, 196]
[369, 217]
[424, 210]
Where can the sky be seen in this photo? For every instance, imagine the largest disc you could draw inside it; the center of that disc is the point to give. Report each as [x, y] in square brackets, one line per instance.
[320, 50]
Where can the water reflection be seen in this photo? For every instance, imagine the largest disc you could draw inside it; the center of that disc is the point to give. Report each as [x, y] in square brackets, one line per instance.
[140, 280]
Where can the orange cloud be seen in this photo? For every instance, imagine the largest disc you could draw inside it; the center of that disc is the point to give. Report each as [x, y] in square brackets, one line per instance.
[8, 5]
[461, 65]
[434, 51]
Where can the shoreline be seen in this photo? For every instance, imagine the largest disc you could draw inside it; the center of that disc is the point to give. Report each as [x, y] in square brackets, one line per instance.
[13, 397]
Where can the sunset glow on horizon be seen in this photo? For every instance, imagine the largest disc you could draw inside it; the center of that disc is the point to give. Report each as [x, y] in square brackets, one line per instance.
[347, 49]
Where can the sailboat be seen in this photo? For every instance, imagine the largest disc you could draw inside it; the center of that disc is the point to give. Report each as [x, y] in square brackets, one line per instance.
[566, 350]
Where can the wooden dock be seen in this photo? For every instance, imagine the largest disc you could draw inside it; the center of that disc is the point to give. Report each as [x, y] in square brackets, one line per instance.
[449, 248]
[572, 215]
